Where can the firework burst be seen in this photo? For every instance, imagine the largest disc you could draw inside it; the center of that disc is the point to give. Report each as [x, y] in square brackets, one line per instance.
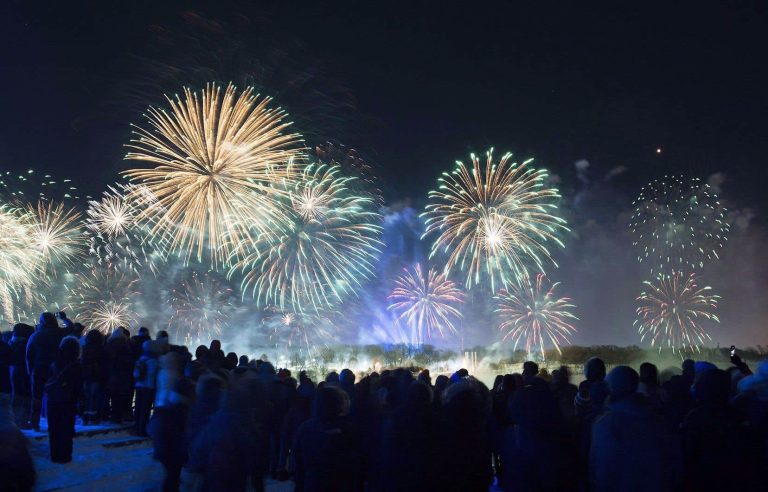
[533, 314]
[56, 234]
[428, 304]
[218, 158]
[19, 264]
[493, 221]
[671, 311]
[678, 223]
[103, 298]
[302, 330]
[202, 307]
[117, 239]
[323, 255]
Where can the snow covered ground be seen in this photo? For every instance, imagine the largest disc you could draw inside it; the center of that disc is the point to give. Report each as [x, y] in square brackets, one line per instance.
[105, 458]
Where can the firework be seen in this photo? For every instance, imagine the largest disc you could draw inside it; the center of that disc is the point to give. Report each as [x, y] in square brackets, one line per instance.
[493, 221]
[103, 298]
[302, 330]
[56, 235]
[19, 264]
[427, 304]
[678, 223]
[323, 255]
[217, 159]
[352, 164]
[671, 311]
[202, 307]
[532, 313]
[117, 239]
[32, 186]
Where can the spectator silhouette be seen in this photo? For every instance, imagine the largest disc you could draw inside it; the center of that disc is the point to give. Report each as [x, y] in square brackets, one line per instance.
[326, 453]
[629, 450]
[62, 393]
[94, 364]
[20, 384]
[16, 466]
[42, 347]
[167, 430]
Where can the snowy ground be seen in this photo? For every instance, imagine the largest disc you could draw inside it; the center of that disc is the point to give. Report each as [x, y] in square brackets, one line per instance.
[105, 458]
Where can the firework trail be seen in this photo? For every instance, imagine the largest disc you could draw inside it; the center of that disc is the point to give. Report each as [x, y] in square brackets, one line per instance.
[493, 222]
[533, 314]
[19, 264]
[428, 304]
[678, 223]
[57, 235]
[219, 162]
[103, 298]
[116, 237]
[202, 307]
[326, 252]
[672, 310]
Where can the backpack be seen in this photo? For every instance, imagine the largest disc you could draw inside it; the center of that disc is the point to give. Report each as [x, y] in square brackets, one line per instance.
[140, 370]
[57, 388]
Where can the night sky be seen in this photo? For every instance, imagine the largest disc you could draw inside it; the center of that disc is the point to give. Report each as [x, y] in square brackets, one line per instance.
[416, 85]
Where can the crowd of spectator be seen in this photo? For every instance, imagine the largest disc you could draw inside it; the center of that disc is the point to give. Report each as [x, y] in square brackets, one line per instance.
[222, 422]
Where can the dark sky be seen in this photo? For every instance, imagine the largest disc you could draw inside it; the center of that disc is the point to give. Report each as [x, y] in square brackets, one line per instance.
[415, 85]
[430, 81]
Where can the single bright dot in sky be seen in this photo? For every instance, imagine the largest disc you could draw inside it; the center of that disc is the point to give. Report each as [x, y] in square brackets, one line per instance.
[658, 150]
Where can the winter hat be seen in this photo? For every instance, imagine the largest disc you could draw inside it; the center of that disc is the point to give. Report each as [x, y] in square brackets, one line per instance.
[332, 377]
[622, 381]
[306, 390]
[530, 368]
[347, 377]
[331, 403]
[266, 369]
[712, 386]
[69, 349]
[594, 369]
[48, 320]
[419, 393]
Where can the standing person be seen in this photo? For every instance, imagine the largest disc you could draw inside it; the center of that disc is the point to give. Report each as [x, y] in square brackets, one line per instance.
[62, 391]
[16, 466]
[326, 453]
[20, 386]
[120, 367]
[170, 370]
[145, 376]
[630, 449]
[93, 362]
[42, 347]
[167, 431]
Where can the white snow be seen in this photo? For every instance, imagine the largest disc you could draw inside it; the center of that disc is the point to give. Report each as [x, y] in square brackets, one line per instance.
[96, 468]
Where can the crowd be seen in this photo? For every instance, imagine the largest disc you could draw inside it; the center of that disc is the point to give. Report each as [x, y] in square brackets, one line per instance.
[222, 422]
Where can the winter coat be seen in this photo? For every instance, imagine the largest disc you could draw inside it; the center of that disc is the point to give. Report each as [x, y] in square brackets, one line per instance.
[630, 450]
[225, 451]
[169, 371]
[326, 456]
[17, 470]
[167, 430]
[150, 368]
[42, 347]
[68, 377]
[119, 364]
[21, 334]
[93, 359]
[532, 445]
[407, 443]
